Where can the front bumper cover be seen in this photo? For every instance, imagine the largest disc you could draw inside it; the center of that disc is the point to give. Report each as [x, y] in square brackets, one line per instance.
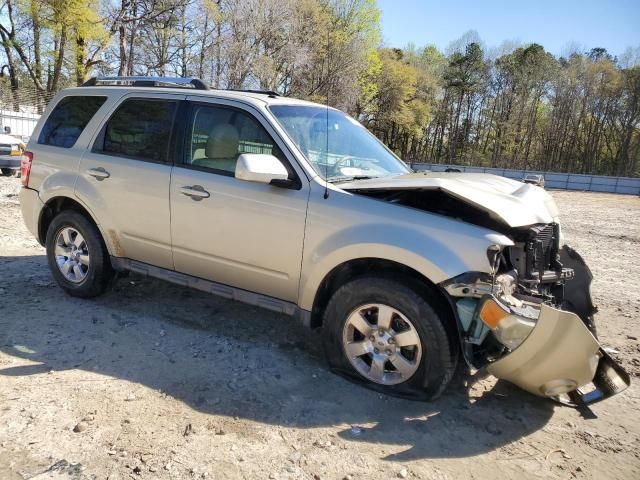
[561, 359]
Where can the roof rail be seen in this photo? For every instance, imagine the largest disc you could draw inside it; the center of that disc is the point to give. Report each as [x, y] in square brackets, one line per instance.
[188, 82]
[271, 93]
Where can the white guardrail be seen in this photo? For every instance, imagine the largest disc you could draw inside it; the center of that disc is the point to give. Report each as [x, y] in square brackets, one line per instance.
[18, 124]
[563, 181]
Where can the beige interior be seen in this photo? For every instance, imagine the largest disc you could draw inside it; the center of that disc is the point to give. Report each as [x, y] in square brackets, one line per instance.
[221, 151]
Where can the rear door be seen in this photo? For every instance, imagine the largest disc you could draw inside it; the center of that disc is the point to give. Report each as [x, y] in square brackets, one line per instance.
[239, 233]
[125, 177]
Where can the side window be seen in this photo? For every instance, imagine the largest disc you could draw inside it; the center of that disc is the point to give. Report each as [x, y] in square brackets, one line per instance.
[68, 119]
[219, 135]
[140, 128]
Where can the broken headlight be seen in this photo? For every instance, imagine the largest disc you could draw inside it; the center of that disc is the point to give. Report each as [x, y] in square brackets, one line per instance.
[511, 325]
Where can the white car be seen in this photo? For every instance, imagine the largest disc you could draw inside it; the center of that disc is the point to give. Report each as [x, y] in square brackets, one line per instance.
[534, 179]
[11, 150]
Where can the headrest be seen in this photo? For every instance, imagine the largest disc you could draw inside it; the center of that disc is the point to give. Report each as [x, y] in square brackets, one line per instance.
[223, 142]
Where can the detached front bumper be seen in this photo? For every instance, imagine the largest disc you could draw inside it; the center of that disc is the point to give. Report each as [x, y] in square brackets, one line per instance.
[561, 359]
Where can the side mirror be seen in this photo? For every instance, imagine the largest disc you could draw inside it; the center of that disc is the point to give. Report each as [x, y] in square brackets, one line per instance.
[261, 168]
[7, 129]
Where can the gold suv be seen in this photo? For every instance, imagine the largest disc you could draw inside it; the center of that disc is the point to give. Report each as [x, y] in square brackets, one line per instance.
[295, 207]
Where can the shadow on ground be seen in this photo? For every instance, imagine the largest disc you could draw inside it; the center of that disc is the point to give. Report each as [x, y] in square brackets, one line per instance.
[225, 358]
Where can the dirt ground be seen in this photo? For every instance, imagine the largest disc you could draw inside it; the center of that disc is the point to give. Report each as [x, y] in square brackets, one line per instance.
[153, 380]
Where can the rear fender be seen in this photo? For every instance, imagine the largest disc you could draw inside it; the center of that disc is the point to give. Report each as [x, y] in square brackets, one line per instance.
[112, 247]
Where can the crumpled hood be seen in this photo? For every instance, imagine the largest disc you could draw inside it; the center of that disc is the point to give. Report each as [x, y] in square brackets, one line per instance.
[514, 203]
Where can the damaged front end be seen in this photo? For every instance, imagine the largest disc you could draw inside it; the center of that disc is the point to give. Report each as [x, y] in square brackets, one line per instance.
[531, 321]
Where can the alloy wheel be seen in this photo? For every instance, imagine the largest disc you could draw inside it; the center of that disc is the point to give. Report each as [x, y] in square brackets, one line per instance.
[72, 254]
[382, 344]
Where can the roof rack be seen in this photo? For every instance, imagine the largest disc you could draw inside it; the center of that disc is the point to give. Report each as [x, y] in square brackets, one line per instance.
[271, 93]
[188, 82]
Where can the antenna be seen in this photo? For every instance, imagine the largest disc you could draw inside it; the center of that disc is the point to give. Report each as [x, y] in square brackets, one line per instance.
[326, 165]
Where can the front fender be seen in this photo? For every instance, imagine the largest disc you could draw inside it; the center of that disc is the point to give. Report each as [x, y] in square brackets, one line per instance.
[438, 248]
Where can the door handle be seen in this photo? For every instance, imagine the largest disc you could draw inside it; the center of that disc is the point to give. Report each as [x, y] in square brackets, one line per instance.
[98, 173]
[196, 192]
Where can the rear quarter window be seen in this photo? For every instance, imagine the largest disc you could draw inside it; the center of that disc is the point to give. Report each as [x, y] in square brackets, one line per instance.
[68, 119]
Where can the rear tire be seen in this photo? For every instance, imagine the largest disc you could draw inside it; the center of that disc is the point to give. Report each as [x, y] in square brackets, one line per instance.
[7, 172]
[77, 256]
[417, 354]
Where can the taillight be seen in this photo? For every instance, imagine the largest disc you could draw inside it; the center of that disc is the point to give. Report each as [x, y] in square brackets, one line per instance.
[25, 167]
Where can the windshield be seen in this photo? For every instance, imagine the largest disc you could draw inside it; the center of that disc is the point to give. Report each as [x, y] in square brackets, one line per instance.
[352, 151]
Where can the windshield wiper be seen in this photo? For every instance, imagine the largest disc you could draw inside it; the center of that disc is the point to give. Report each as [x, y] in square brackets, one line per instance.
[349, 178]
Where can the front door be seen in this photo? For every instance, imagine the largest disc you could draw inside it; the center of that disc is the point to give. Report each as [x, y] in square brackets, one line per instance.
[239, 233]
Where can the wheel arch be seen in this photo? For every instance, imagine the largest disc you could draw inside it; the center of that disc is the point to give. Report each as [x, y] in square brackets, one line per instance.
[355, 268]
[58, 204]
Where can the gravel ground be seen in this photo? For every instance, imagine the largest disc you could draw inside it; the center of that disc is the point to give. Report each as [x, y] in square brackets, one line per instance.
[153, 380]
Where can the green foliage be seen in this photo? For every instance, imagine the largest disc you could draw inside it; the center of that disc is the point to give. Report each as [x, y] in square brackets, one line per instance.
[526, 109]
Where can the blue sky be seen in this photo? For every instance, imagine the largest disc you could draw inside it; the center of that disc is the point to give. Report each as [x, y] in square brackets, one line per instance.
[612, 24]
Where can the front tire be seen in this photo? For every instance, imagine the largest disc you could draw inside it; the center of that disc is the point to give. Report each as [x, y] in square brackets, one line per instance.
[390, 336]
[6, 172]
[77, 256]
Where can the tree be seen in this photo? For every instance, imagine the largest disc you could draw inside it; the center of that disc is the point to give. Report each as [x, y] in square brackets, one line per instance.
[512, 106]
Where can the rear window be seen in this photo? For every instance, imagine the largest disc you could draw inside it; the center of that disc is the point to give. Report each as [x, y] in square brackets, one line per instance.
[68, 119]
[141, 129]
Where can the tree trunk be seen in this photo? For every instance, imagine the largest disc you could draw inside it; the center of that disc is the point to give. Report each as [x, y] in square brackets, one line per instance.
[122, 44]
[11, 67]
